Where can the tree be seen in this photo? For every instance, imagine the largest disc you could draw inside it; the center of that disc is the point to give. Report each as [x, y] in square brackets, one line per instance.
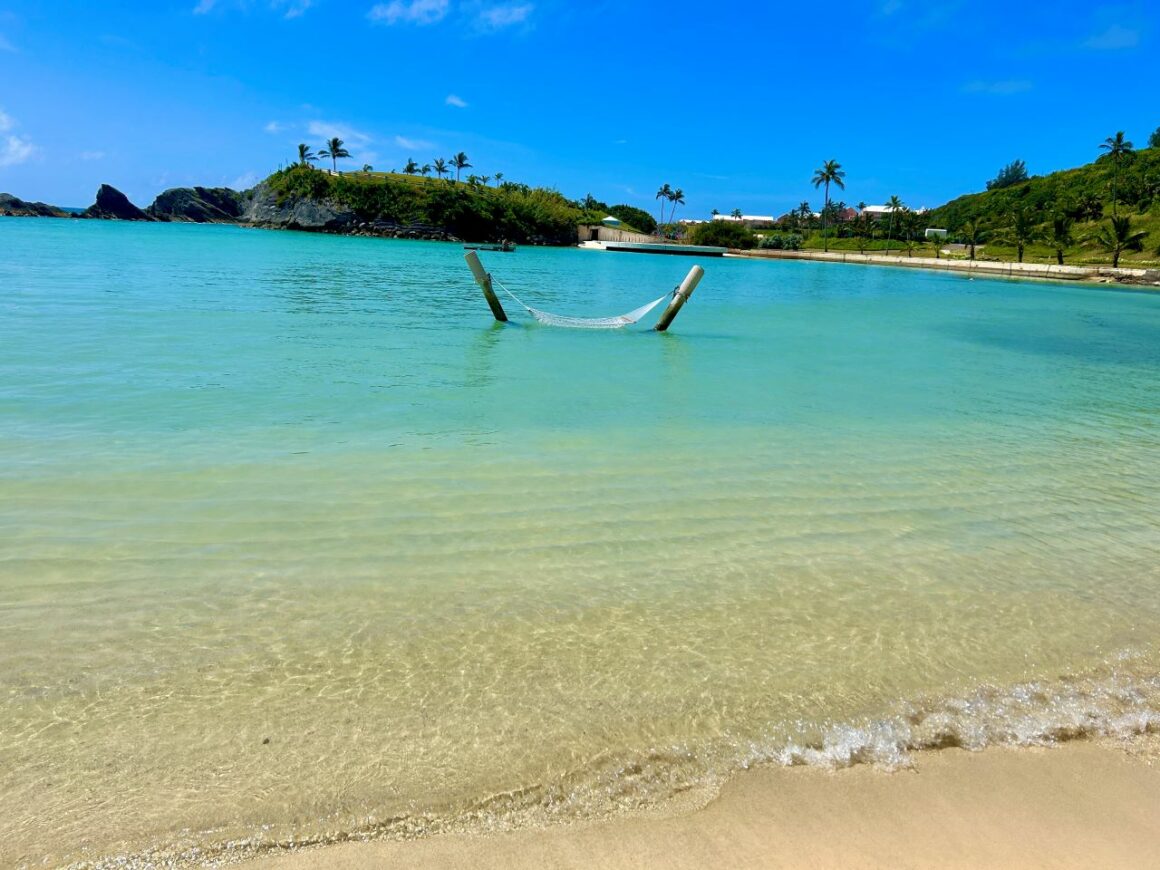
[1154, 139]
[1061, 236]
[305, 155]
[1013, 173]
[736, 213]
[677, 197]
[367, 168]
[460, 162]
[896, 205]
[334, 151]
[830, 171]
[910, 223]
[972, 234]
[498, 178]
[1118, 147]
[485, 179]
[425, 169]
[440, 167]
[1118, 237]
[714, 212]
[411, 168]
[663, 193]
[1021, 231]
[637, 218]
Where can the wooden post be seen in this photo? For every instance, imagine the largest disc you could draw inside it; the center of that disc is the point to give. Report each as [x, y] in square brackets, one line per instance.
[683, 293]
[484, 281]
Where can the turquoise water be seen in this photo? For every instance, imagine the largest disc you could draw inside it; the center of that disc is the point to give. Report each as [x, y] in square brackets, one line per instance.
[297, 544]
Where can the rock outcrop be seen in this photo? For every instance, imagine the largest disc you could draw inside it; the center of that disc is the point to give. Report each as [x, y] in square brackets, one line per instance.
[111, 204]
[296, 213]
[199, 205]
[11, 206]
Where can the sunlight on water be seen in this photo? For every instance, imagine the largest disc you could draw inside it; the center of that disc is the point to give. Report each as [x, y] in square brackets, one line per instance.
[295, 543]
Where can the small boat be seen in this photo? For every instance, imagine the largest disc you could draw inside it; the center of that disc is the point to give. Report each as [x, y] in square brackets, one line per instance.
[505, 246]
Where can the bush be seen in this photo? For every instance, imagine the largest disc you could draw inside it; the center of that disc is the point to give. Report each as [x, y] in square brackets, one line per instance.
[724, 234]
[637, 218]
[779, 242]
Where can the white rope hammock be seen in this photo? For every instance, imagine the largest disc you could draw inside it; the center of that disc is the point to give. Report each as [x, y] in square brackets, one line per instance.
[617, 322]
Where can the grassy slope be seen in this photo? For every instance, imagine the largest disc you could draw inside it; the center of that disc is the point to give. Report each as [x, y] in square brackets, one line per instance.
[1138, 185]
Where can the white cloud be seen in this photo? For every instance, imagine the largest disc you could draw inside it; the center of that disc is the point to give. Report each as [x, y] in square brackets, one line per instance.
[92, 155]
[413, 12]
[15, 150]
[6, 122]
[890, 7]
[274, 127]
[5, 45]
[203, 7]
[999, 88]
[348, 135]
[294, 8]
[413, 144]
[503, 15]
[244, 181]
[1113, 39]
[457, 102]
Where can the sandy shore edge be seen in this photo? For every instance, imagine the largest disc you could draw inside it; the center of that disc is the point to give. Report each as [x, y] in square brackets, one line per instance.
[1145, 279]
[1084, 804]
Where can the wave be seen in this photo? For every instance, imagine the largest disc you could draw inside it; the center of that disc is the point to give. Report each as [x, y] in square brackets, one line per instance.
[1115, 703]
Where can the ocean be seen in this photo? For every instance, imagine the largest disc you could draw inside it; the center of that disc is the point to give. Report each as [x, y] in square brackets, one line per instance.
[298, 545]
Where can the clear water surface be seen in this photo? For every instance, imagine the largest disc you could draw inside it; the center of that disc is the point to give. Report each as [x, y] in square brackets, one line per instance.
[297, 544]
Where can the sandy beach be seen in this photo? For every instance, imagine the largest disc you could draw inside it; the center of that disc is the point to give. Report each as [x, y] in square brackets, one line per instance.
[1083, 804]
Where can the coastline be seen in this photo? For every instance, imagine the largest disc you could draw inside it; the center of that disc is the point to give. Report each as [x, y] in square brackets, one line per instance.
[1146, 278]
[1079, 804]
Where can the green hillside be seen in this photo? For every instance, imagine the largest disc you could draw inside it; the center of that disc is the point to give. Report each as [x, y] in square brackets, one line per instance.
[1081, 199]
[468, 209]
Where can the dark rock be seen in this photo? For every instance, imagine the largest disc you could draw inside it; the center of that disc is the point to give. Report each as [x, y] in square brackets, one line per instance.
[199, 205]
[11, 206]
[294, 213]
[111, 204]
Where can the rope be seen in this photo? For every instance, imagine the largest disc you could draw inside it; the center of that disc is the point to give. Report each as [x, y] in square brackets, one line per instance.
[617, 322]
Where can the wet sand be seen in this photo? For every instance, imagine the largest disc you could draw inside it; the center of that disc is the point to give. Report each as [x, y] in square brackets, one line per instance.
[1080, 805]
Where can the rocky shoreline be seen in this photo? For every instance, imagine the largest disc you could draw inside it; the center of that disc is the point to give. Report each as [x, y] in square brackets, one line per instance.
[258, 207]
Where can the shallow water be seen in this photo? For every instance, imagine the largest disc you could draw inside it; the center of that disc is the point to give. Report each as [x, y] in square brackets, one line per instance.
[296, 544]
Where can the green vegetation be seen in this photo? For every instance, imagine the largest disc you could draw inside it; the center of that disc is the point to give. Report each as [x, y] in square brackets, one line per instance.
[724, 234]
[636, 218]
[509, 211]
[1061, 216]
[1013, 173]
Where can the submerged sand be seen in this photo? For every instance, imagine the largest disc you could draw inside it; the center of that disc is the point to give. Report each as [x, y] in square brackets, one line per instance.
[1085, 804]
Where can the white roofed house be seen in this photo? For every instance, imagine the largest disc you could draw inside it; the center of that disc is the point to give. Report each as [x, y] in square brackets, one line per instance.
[750, 220]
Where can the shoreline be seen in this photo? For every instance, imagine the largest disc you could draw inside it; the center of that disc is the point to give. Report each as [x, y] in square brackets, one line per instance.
[1078, 804]
[1145, 278]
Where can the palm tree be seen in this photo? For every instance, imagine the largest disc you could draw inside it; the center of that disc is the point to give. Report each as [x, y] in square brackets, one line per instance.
[334, 150]
[411, 168]
[498, 178]
[677, 197]
[1116, 146]
[1061, 235]
[1119, 238]
[830, 171]
[305, 155]
[663, 193]
[972, 234]
[440, 167]
[425, 169]
[485, 179]
[714, 212]
[367, 168]
[896, 205]
[736, 213]
[460, 162]
[1021, 231]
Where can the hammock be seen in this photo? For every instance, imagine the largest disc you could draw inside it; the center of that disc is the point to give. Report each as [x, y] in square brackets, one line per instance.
[617, 322]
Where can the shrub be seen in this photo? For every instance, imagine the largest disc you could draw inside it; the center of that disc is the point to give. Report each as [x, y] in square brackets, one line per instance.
[724, 234]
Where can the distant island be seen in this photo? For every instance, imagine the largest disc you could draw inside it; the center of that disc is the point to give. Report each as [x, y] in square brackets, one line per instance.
[1104, 213]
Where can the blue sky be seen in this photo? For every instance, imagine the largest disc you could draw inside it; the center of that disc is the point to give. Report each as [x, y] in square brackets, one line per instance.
[735, 103]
